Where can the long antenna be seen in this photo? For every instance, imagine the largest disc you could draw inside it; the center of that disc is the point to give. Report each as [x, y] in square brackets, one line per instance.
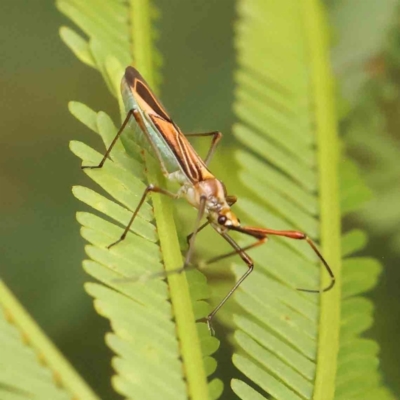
[264, 232]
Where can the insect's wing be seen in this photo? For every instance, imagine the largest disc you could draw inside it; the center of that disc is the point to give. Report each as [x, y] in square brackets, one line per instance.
[147, 100]
[174, 150]
[156, 126]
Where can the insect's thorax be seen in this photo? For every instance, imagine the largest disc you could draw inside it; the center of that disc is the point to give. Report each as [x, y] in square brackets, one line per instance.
[212, 189]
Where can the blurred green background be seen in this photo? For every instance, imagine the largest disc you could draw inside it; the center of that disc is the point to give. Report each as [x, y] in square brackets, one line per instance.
[41, 250]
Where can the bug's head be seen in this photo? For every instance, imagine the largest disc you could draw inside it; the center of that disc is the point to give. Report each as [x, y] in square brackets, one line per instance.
[218, 205]
[224, 220]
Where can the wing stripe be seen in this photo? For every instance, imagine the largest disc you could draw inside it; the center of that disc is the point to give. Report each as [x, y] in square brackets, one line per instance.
[191, 163]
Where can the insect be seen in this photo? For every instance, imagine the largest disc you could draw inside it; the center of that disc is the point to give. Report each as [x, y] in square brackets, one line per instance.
[180, 163]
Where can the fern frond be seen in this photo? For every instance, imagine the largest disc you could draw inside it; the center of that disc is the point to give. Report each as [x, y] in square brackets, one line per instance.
[295, 345]
[30, 365]
[160, 351]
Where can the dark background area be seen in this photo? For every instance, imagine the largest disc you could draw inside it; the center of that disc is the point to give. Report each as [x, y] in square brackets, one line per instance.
[40, 246]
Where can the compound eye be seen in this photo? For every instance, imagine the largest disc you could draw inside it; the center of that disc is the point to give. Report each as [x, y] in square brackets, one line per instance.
[222, 219]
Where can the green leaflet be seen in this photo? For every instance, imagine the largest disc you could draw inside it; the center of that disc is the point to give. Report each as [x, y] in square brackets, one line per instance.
[295, 345]
[160, 351]
[31, 367]
[140, 309]
[292, 345]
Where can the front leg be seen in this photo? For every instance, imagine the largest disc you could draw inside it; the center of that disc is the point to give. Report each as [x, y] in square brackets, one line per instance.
[149, 188]
[250, 266]
[191, 240]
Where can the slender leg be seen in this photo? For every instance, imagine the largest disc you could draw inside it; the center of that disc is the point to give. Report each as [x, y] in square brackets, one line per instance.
[188, 256]
[235, 252]
[250, 265]
[108, 151]
[193, 235]
[217, 136]
[150, 188]
[188, 237]
[231, 253]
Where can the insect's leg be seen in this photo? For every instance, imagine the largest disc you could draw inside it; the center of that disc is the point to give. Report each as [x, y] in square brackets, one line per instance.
[149, 188]
[196, 230]
[217, 136]
[250, 266]
[235, 252]
[302, 236]
[188, 237]
[108, 151]
[186, 265]
[192, 239]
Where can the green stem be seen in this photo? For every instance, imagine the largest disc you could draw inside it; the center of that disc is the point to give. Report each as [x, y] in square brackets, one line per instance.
[328, 156]
[142, 40]
[179, 289]
[63, 373]
[143, 54]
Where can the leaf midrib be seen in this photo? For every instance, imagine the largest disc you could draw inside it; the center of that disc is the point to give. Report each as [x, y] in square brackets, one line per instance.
[328, 154]
[180, 297]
